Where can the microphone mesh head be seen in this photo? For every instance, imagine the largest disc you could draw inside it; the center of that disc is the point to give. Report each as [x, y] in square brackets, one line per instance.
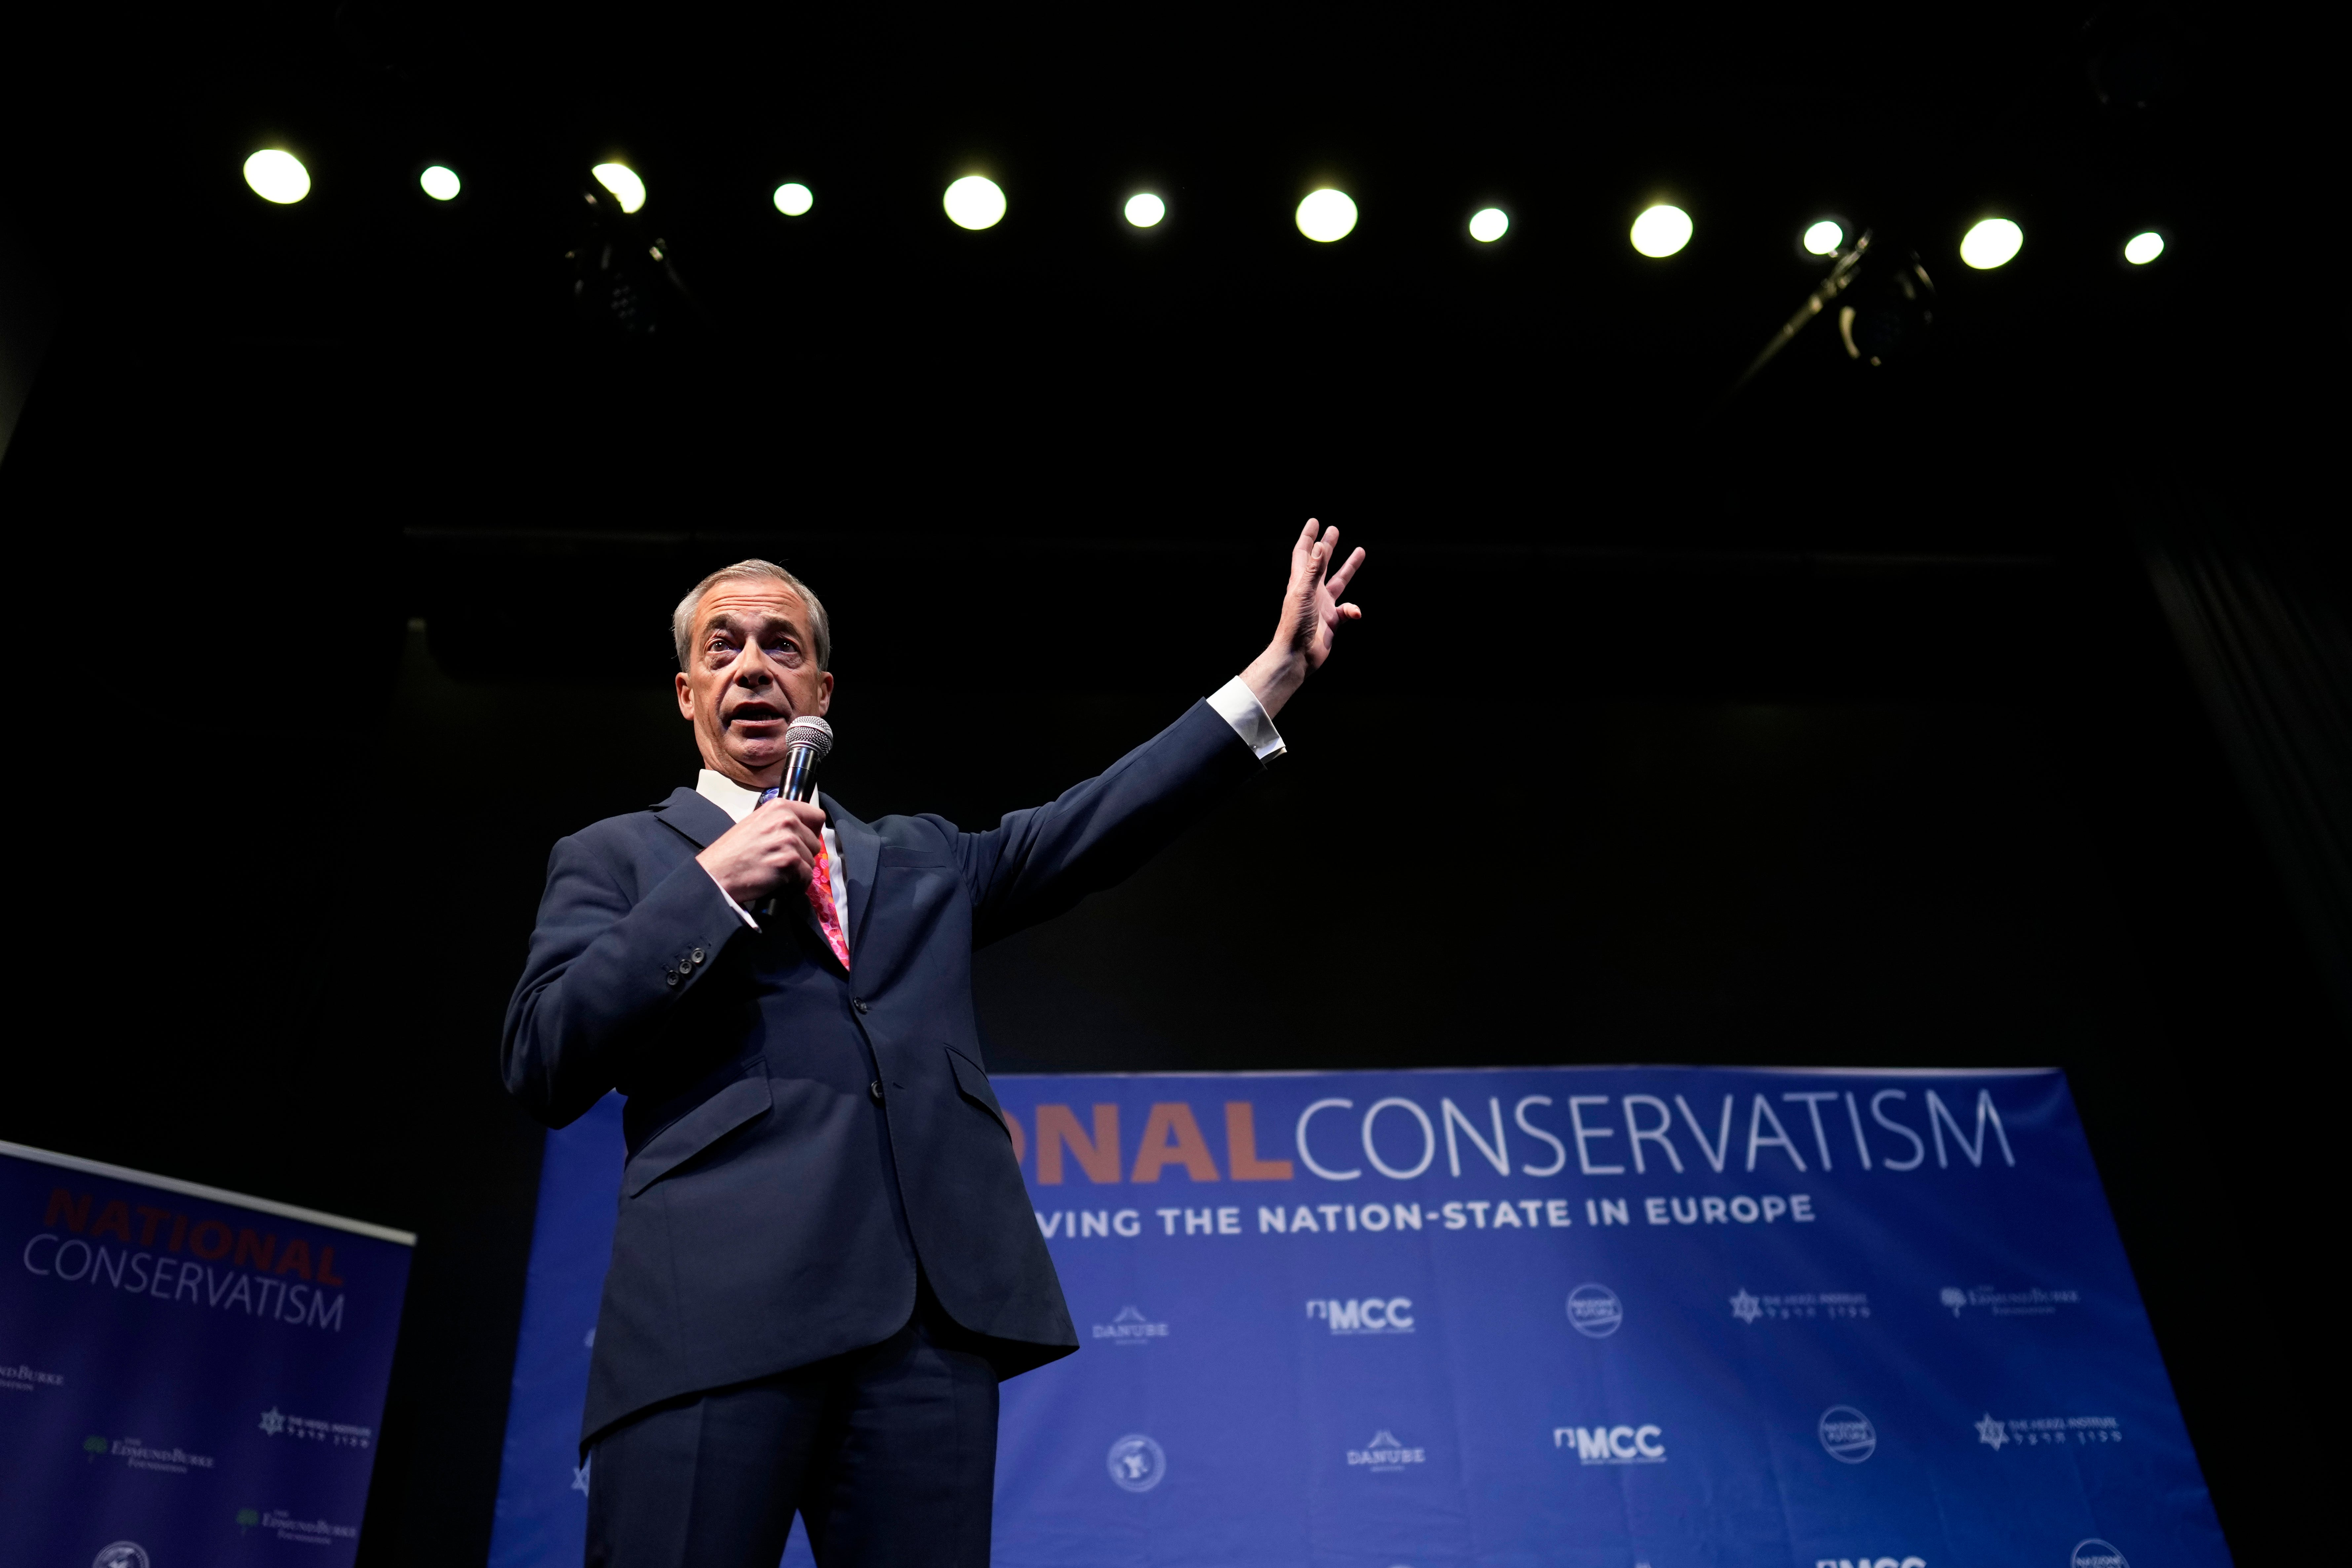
[813, 732]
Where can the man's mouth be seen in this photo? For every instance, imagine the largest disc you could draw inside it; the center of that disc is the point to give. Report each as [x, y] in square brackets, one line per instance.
[756, 713]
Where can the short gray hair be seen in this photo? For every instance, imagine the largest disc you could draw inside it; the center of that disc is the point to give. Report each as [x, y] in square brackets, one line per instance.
[681, 620]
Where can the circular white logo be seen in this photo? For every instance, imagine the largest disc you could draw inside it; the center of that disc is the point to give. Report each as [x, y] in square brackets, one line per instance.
[1847, 1434]
[1594, 1311]
[2096, 1553]
[1137, 1463]
[131, 1554]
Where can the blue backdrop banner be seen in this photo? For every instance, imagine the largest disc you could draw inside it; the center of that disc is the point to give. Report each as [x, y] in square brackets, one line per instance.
[1638, 1318]
[187, 1377]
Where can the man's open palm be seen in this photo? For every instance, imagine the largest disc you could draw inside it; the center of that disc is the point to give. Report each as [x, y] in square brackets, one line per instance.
[1312, 608]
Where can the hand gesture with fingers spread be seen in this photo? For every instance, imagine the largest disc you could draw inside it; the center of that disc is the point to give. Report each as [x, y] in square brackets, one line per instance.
[1312, 609]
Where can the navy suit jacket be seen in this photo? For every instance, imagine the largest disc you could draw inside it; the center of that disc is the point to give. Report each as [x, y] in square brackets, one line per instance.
[772, 1213]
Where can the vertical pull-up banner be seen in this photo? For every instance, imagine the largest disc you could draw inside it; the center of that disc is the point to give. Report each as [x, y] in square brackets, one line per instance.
[1639, 1318]
[186, 1375]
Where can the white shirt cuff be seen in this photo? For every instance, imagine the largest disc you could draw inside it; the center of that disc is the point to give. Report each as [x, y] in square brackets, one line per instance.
[740, 913]
[1237, 705]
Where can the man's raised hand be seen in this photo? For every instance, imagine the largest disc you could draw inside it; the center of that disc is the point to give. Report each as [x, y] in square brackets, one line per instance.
[1312, 610]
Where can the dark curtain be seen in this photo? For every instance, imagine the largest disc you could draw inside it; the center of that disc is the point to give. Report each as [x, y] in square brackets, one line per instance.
[2258, 608]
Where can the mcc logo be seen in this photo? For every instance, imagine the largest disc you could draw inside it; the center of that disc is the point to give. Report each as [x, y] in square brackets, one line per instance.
[1625, 1445]
[1370, 1315]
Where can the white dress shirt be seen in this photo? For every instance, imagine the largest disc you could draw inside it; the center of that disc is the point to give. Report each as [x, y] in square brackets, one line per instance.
[1236, 703]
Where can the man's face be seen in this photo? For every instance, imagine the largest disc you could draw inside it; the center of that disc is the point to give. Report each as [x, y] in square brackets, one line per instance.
[752, 671]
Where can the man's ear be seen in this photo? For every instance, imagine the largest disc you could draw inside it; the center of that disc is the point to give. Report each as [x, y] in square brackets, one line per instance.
[824, 693]
[684, 698]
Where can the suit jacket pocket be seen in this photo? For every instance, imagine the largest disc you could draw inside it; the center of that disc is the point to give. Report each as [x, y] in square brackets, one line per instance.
[741, 1101]
[975, 1084]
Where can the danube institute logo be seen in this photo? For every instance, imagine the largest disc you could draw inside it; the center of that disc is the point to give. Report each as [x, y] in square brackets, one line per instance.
[1594, 1311]
[2096, 1553]
[1136, 1463]
[1993, 1432]
[1847, 1435]
[1385, 1453]
[131, 1554]
[1130, 1328]
[1746, 1307]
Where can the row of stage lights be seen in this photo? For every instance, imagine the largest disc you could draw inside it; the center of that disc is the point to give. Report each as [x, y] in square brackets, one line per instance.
[1326, 215]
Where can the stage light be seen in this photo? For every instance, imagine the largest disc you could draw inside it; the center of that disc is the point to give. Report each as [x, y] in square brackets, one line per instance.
[1994, 242]
[1144, 209]
[1824, 238]
[974, 202]
[1661, 231]
[622, 182]
[1325, 216]
[794, 199]
[1488, 225]
[441, 184]
[276, 175]
[2144, 247]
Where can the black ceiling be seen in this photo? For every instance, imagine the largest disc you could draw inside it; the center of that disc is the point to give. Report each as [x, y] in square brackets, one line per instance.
[375, 355]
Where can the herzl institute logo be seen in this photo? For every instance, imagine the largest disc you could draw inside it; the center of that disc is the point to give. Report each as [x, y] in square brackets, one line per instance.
[2096, 1553]
[1385, 1453]
[2047, 1431]
[276, 1423]
[1594, 1311]
[1847, 1435]
[1136, 1463]
[120, 1555]
[1369, 1315]
[1130, 1328]
[1747, 1307]
[1627, 1445]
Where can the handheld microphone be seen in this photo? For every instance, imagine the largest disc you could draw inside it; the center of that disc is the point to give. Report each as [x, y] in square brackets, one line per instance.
[807, 741]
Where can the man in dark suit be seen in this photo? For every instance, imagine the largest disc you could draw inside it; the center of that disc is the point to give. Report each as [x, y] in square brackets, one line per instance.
[825, 1259]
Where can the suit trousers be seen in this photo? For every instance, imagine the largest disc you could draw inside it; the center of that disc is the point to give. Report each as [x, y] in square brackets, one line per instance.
[887, 1453]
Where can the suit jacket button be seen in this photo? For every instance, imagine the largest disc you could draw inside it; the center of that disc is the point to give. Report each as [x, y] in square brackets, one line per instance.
[697, 956]
[859, 1003]
[874, 1089]
[670, 976]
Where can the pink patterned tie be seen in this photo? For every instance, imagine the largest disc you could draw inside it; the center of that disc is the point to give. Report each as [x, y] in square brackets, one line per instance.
[820, 898]
[820, 895]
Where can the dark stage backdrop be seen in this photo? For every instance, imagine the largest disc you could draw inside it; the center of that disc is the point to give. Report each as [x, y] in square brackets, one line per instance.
[284, 963]
[1856, 732]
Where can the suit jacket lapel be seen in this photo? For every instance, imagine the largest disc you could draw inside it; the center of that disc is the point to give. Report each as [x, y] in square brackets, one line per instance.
[861, 847]
[695, 818]
[699, 821]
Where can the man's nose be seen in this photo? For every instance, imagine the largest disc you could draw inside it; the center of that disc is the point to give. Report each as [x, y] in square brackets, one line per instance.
[751, 668]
